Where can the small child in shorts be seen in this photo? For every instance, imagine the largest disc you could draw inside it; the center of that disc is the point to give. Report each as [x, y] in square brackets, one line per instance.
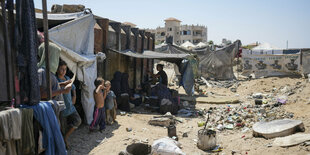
[110, 104]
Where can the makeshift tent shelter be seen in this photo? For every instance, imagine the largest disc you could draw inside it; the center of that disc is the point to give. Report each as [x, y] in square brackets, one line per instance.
[76, 39]
[188, 45]
[219, 64]
[171, 54]
[265, 46]
[201, 44]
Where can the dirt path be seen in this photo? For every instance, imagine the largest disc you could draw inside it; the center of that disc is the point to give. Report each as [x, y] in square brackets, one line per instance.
[116, 138]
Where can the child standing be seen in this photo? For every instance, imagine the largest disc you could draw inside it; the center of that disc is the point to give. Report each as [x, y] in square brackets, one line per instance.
[110, 104]
[99, 111]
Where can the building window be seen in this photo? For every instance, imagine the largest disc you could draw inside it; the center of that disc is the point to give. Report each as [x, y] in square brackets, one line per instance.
[187, 32]
[177, 32]
[169, 29]
[180, 32]
[183, 41]
[163, 34]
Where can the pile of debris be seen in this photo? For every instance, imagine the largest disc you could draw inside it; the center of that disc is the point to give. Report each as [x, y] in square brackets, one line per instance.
[242, 117]
[217, 83]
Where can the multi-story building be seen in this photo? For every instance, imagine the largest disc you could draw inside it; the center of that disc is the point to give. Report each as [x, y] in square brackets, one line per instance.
[180, 33]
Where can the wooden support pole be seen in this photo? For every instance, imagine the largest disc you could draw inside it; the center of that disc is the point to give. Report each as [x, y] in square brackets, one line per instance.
[46, 45]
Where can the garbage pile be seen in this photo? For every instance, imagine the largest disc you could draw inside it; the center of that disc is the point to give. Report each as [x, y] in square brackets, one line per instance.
[242, 117]
[217, 83]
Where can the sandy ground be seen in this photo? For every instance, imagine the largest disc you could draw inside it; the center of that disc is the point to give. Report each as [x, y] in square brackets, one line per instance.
[116, 138]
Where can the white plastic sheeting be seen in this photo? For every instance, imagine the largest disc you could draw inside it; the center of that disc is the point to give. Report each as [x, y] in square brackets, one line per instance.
[188, 45]
[76, 38]
[152, 55]
[201, 44]
[66, 16]
[166, 146]
[265, 46]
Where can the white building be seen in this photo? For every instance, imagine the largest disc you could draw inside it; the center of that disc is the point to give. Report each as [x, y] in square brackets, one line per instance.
[180, 33]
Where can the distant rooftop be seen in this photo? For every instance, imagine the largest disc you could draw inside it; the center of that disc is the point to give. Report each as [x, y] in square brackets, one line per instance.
[130, 24]
[172, 19]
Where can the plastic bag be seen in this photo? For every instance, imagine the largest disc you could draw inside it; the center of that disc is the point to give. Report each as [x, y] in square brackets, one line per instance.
[166, 146]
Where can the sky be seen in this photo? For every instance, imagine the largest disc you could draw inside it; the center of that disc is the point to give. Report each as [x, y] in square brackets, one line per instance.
[271, 21]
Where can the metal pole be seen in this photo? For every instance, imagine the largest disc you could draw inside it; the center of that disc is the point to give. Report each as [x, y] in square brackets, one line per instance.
[47, 63]
[7, 49]
[13, 51]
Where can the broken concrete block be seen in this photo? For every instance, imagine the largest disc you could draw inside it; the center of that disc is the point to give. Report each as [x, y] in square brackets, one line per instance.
[277, 128]
[291, 140]
[160, 121]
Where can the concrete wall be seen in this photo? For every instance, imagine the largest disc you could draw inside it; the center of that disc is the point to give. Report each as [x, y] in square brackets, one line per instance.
[121, 37]
[98, 39]
[104, 25]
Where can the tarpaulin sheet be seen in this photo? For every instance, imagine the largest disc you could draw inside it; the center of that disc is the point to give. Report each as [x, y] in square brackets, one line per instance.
[76, 38]
[271, 64]
[219, 64]
[153, 55]
[57, 16]
[171, 49]
[189, 71]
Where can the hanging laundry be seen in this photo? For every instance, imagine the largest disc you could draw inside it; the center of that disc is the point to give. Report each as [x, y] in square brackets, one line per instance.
[27, 143]
[10, 131]
[52, 138]
[27, 49]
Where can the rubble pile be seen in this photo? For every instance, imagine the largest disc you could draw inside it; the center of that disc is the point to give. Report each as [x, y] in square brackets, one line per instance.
[242, 117]
[218, 83]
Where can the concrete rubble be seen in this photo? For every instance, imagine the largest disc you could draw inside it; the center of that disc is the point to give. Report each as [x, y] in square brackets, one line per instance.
[242, 117]
[291, 140]
[277, 128]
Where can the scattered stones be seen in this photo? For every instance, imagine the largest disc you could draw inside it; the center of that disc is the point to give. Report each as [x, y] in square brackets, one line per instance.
[233, 90]
[164, 122]
[233, 152]
[258, 102]
[257, 95]
[185, 135]
[128, 129]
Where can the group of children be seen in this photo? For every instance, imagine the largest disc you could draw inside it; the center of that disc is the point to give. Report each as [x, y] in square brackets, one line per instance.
[105, 107]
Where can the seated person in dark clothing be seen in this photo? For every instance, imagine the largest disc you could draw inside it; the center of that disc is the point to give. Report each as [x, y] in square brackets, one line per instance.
[161, 75]
[122, 98]
[126, 90]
